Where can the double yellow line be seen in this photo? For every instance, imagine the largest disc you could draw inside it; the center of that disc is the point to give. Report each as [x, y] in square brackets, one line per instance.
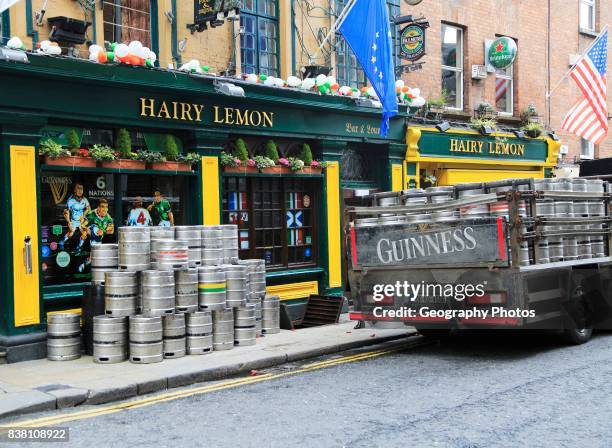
[184, 393]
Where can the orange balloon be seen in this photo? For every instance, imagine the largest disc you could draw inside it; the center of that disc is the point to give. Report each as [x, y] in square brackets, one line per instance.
[364, 90]
[335, 87]
[102, 57]
[405, 89]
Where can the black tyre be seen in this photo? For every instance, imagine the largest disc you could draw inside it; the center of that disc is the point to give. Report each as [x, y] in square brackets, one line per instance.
[579, 322]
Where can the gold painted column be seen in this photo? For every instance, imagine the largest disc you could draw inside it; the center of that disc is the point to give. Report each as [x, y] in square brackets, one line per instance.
[334, 246]
[284, 38]
[211, 212]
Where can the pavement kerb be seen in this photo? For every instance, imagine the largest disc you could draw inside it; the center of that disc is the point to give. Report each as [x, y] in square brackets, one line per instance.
[108, 393]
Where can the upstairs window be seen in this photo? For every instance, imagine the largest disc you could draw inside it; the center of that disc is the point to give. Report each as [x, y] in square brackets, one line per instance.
[588, 11]
[587, 149]
[259, 43]
[127, 20]
[452, 65]
[504, 93]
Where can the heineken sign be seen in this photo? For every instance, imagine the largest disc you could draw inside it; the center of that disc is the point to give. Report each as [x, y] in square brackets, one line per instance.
[412, 42]
[502, 52]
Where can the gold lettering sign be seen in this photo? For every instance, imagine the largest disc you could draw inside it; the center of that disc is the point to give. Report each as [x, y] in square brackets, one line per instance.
[500, 148]
[351, 128]
[174, 110]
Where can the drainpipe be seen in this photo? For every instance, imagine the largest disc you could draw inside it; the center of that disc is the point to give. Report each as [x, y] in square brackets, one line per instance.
[175, 54]
[30, 24]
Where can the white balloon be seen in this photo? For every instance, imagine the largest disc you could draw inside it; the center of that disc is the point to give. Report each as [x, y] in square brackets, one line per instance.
[122, 50]
[279, 82]
[92, 48]
[54, 49]
[321, 79]
[331, 80]
[135, 47]
[356, 93]
[94, 56]
[15, 42]
[269, 81]
[44, 45]
[252, 78]
[372, 92]
[415, 92]
[399, 83]
[152, 57]
[308, 84]
[293, 81]
[345, 90]
[144, 53]
[418, 102]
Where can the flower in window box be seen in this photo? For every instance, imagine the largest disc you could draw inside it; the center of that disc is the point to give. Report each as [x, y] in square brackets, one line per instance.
[251, 163]
[296, 164]
[284, 162]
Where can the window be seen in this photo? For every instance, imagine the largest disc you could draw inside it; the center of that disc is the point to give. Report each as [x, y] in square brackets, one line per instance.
[394, 11]
[504, 85]
[587, 149]
[452, 65]
[127, 20]
[587, 15]
[259, 42]
[4, 27]
[276, 218]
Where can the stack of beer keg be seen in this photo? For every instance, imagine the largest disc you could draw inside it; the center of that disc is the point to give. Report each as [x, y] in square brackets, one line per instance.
[171, 291]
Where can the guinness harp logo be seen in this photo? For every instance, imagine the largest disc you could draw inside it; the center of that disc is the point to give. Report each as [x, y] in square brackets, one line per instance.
[58, 190]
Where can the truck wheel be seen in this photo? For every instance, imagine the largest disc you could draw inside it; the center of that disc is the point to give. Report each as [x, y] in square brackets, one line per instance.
[579, 325]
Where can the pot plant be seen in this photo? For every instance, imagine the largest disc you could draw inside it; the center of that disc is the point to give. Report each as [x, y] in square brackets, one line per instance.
[238, 161]
[102, 154]
[53, 153]
[311, 166]
[127, 159]
[170, 156]
[79, 156]
[532, 129]
[281, 165]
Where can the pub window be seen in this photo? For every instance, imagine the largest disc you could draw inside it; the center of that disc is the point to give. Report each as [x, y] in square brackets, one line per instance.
[259, 42]
[127, 20]
[394, 11]
[588, 12]
[587, 149]
[276, 218]
[4, 27]
[348, 71]
[452, 65]
[504, 94]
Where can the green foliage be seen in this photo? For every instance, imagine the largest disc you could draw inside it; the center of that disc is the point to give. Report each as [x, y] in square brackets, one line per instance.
[102, 153]
[170, 147]
[123, 144]
[306, 154]
[150, 156]
[241, 151]
[52, 149]
[73, 141]
[228, 160]
[262, 162]
[477, 123]
[296, 164]
[271, 151]
[439, 101]
[533, 129]
[191, 158]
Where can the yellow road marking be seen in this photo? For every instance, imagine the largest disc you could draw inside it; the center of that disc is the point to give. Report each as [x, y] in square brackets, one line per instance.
[169, 396]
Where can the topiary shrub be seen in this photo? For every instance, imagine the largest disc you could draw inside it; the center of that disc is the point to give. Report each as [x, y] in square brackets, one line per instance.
[270, 151]
[240, 150]
[123, 144]
[170, 148]
[306, 154]
[73, 141]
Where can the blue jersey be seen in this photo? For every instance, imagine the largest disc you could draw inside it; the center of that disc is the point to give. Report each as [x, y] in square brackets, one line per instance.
[77, 208]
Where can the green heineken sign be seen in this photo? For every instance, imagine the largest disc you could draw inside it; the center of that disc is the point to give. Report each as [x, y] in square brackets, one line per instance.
[502, 52]
[412, 42]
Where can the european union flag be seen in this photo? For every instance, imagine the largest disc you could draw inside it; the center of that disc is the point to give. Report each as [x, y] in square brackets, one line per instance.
[367, 30]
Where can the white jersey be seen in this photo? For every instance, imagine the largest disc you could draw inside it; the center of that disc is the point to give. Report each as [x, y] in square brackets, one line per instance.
[139, 217]
[77, 208]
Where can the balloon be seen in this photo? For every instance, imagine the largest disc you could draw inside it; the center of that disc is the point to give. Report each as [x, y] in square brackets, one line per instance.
[102, 57]
[94, 49]
[293, 81]
[331, 80]
[308, 84]
[399, 83]
[145, 52]
[405, 89]
[279, 82]
[269, 81]
[418, 102]
[355, 93]
[54, 49]
[113, 46]
[121, 51]
[323, 88]
[335, 87]
[152, 57]
[94, 56]
[206, 68]
[415, 92]
[110, 56]
[44, 45]
[252, 78]
[135, 47]
[15, 42]
[148, 63]
[320, 80]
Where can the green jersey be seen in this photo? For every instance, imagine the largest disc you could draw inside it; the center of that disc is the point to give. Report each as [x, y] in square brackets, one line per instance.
[163, 208]
[96, 222]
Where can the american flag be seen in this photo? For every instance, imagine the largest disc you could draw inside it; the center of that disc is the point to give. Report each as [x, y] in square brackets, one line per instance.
[588, 118]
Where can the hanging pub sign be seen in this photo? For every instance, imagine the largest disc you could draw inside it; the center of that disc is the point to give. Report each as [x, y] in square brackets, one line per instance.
[412, 41]
[212, 13]
[502, 52]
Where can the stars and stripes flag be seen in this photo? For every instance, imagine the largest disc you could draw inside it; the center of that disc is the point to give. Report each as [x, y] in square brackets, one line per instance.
[588, 118]
[6, 4]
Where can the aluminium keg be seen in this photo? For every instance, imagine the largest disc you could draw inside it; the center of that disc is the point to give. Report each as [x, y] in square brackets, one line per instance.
[134, 248]
[161, 233]
[384, 200]
[174, 342]
[63, 336]
[257, 303]
[193, 236]
[545, 208]
[120, 293]
[472, 211]
[270, 310]
[257, 275]
[199, 333]
[212, 286]
[440, 195]
[212, 245]
[157, 293]
[364, 222]
[596, 209]
[564, 208]
[186, 289]
[245, 336]
[501, 208]
[223, 329]
[146, 339]
[110, 339]
[229, 236]
[581, 209]
[414, 196]
[104, 257]
[236, 284]
[388, 220]
[245, 330]
[170, 254]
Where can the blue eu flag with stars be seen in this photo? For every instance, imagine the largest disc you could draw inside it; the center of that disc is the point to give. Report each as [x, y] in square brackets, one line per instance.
[367, 30]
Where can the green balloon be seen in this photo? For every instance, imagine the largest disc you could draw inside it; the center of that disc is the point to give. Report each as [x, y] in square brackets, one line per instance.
[148, 63]
[113, 45]
[327, 85]
[263, 77]
[322, 88]
[206, 68]
[111, 56]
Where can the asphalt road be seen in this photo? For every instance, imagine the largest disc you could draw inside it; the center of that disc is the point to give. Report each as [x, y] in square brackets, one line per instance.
[469, 391]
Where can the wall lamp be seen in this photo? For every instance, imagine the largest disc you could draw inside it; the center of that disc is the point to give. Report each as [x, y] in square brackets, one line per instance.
[443, 127]
[519, 133]
[486, 130]
[553, 136]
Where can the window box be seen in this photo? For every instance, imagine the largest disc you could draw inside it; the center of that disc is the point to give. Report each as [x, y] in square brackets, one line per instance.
[534, 133]
[72, 161]
[310, 170]
[240, 169]
[125, 164]
[277, 169]
[171, 166]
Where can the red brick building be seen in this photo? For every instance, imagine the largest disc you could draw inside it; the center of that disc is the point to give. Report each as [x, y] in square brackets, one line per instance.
[550, 35]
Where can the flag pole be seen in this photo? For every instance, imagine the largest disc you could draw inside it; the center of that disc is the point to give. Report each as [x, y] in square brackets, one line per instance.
[549, 94]
[334, 27]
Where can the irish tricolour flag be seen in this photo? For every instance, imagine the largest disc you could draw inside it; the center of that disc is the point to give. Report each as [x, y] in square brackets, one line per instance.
[6, 4]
